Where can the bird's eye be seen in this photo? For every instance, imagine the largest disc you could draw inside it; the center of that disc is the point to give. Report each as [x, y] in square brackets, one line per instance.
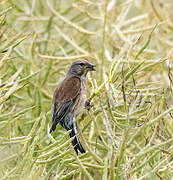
[81, 64]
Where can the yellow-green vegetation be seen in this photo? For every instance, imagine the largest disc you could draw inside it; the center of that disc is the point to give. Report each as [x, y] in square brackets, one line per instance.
[128, 134]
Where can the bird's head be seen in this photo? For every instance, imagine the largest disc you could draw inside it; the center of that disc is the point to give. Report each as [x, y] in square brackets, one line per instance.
[80, 68]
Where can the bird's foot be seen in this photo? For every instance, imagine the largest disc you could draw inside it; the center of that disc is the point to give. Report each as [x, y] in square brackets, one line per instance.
[88, 106]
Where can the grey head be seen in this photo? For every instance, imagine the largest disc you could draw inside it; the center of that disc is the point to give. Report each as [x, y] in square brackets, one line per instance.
[80, 68]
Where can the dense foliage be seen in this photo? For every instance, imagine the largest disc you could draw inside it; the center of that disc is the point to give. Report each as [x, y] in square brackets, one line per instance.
[128, 132]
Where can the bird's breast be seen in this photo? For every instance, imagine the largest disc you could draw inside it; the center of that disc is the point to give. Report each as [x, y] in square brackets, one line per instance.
[82, 99]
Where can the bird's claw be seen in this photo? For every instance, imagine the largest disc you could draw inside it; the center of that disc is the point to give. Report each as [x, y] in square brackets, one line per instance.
[88, 106]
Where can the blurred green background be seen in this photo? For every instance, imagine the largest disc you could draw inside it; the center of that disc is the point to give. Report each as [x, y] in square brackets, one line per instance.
[128, 133]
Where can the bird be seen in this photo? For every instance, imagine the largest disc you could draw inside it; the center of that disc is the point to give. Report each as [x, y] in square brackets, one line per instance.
[69, 100]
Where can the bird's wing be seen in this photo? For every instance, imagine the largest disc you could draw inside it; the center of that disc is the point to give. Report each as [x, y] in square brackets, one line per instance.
[64, 98]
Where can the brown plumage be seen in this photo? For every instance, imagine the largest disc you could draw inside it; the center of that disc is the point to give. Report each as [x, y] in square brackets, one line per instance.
[67, 89]
[70, 98]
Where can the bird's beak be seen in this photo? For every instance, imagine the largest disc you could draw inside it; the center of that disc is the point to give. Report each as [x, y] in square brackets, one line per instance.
[91, 67]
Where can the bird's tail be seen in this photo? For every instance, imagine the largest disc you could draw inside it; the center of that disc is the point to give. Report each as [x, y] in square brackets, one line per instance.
[76, 142]
[53, 127]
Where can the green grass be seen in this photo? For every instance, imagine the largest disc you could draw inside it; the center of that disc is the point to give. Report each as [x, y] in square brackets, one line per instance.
[128, 134]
